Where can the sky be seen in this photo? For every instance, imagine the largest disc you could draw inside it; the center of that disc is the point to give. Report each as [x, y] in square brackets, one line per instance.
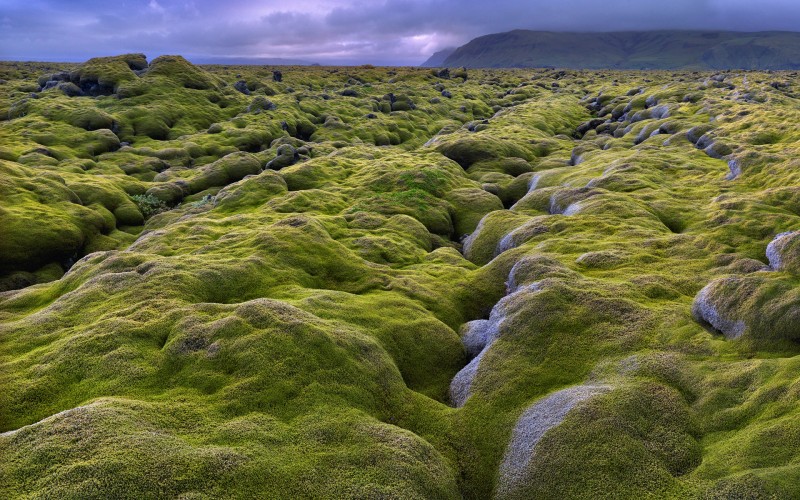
[381, 32]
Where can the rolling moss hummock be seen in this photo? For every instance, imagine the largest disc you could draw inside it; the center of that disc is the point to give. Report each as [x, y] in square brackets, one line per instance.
[211, 293]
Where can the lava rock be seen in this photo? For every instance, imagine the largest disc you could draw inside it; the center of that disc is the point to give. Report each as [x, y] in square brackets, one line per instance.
[260, 103]
[783, 252]
[287, 155]
[241, 86]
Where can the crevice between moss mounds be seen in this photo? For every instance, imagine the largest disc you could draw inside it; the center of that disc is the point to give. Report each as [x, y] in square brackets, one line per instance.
[531, 427]
[615, 116]
[525, 277]
[227, 170]
[478, 336]
[506, 229]
[702, 138]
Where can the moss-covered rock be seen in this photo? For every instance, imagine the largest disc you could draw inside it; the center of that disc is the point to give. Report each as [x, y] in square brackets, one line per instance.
[178, 70]
[470, 205]
[103, 75]
[758, 308]
[91, 119]
[286, 155]
[783, 252]
[226, 170]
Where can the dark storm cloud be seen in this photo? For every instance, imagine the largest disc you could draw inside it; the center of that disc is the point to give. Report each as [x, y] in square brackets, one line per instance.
[341, 31]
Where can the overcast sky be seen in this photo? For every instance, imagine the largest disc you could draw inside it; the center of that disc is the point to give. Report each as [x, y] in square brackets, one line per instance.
[341, 31]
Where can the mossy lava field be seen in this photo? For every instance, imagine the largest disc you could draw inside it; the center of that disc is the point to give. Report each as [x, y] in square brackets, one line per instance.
[359, 282]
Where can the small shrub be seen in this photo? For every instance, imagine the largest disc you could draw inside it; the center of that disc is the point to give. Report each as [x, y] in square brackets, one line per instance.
[149, 205]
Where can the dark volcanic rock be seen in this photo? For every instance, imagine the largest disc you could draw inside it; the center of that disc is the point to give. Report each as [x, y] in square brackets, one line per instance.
[241, 86]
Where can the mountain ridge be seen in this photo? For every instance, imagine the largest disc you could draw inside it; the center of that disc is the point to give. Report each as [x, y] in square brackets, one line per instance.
[662, 49]
[438, 57]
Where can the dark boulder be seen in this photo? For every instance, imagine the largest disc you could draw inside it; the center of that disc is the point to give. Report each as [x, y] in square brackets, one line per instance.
[583, 128]
[286, 155]
[259, 104]
[52, 80]
[241, 86]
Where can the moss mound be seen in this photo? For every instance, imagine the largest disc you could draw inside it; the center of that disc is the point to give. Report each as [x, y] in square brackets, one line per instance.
[784, 252]
[103, 75]
[178, 70]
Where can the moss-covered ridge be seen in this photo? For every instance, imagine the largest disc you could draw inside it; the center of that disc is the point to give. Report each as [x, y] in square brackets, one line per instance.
[288, 320]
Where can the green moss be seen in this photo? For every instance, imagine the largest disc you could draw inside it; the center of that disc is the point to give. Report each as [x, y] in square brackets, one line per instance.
[90, 119]
[481, 246]
[213, 329]
[179, 70]
[168, 194]
[470, 206]
[639, 441]
[105, 74]
[226, 170]
[759, 309]
[129, 214]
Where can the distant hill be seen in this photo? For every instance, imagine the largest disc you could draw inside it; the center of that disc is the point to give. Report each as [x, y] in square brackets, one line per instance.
[438, 58]
[631, 50]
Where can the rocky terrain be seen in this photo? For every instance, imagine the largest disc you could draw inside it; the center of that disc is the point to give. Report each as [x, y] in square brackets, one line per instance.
[312, 282]
[666, 49]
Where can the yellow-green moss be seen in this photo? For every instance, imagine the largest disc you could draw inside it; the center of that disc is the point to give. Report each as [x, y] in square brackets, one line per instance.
[177, 320]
